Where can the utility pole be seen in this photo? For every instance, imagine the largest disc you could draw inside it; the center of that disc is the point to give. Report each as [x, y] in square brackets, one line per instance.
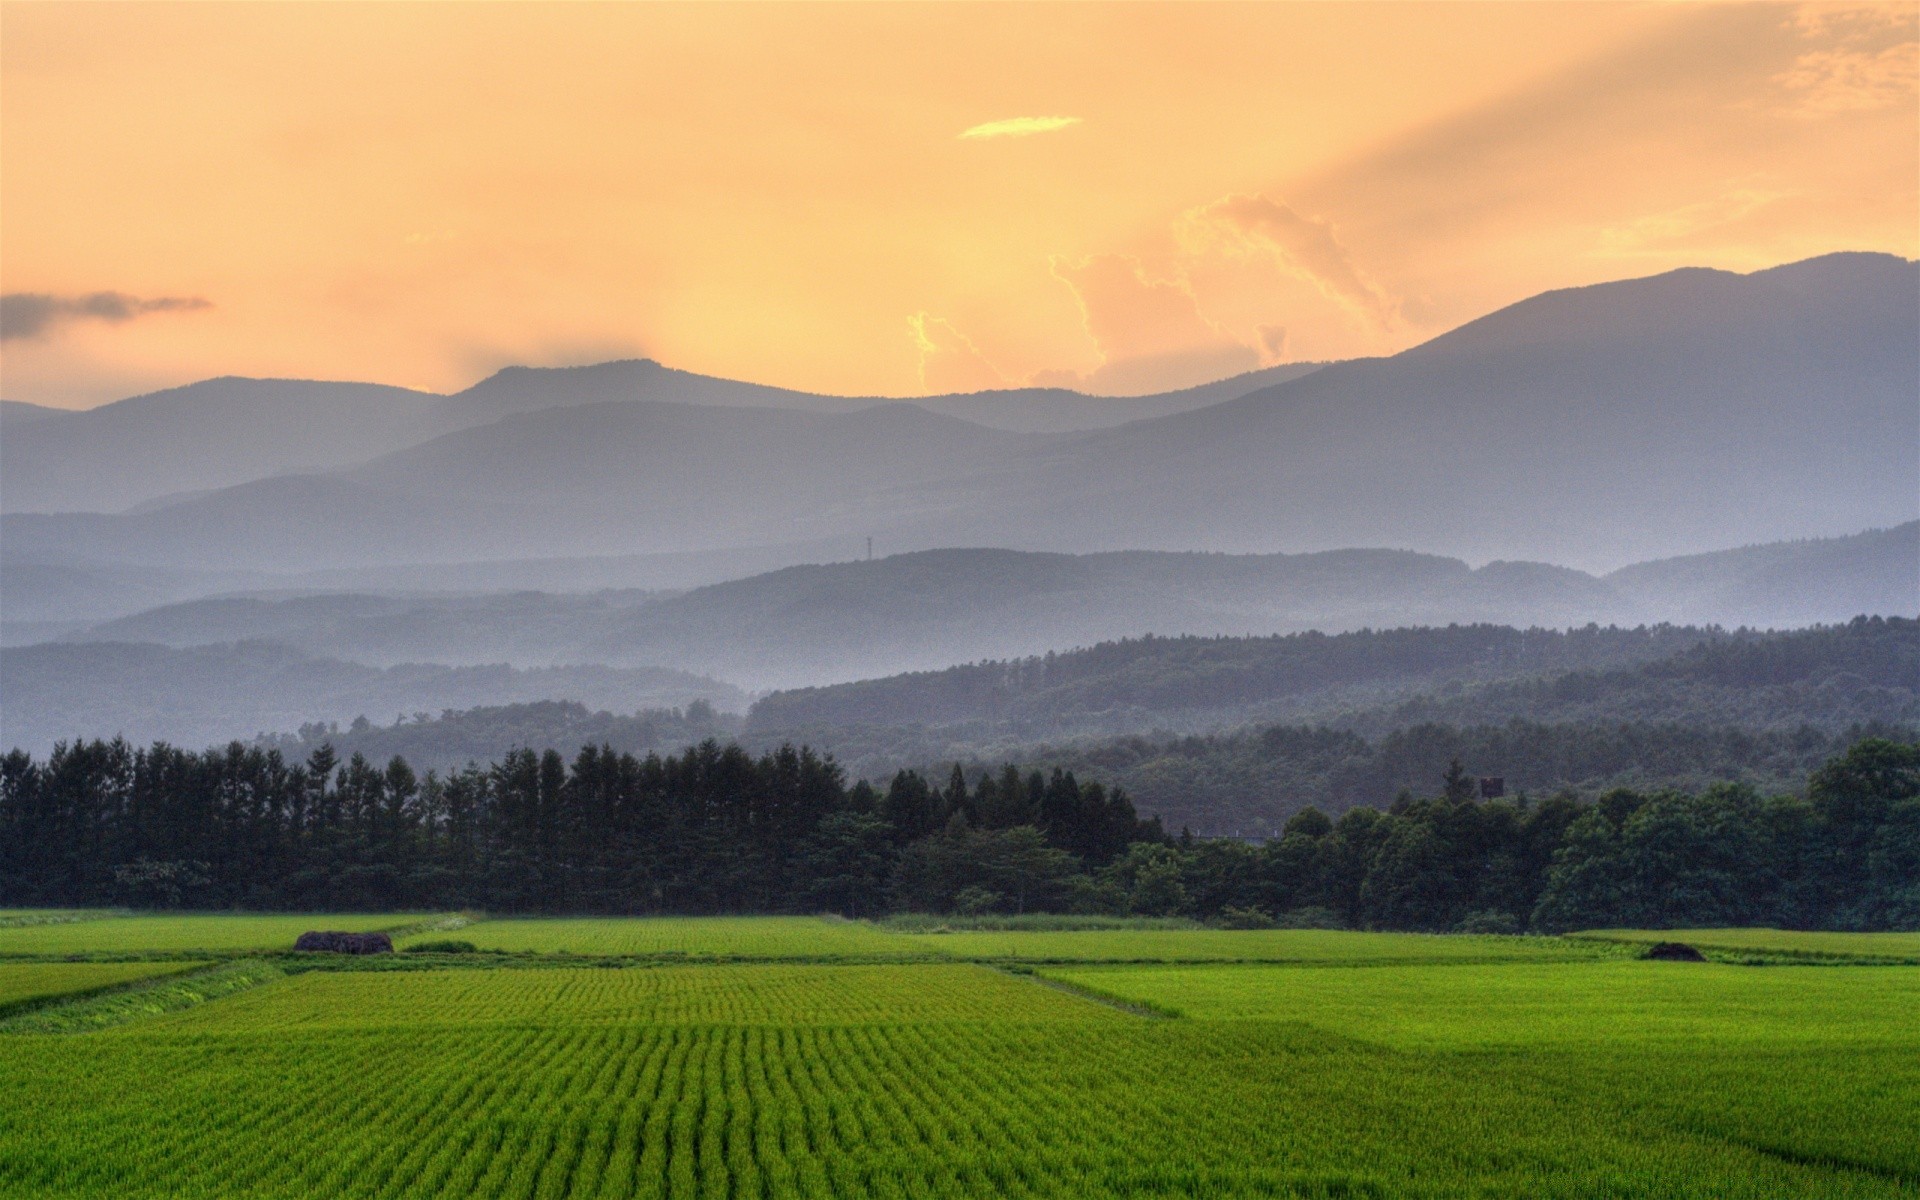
[869, 549]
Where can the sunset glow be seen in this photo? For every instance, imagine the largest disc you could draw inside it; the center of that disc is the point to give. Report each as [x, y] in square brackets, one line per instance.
[837, 199]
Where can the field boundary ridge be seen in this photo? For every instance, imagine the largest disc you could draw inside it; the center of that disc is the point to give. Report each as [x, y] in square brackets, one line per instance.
[143, 998]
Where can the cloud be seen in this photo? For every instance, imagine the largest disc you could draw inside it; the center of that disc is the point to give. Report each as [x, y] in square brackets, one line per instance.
[1019, 127]
[26, 315]
[1273, 340]
[1151, 332]
[1303, 246]
[1867, 57]
[949, 361]
[1683, 226]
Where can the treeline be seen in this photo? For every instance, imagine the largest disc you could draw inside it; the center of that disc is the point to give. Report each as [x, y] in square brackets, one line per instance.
[1846, 855]
[712, 830]
[715, 830]
[1249, 782]
[454, 738]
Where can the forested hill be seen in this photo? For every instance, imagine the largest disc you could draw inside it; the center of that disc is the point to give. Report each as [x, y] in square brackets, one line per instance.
[1829, 676]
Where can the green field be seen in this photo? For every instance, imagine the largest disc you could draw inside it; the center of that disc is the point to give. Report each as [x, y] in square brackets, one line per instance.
[1261, 945]
[769, 995]
[1518, 1005]
[189, 933]
[692, 937]
[1835, 945]
[1375, 1066]
[22, 984]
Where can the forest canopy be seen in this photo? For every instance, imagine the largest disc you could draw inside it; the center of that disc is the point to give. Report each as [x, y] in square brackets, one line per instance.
[716, 830]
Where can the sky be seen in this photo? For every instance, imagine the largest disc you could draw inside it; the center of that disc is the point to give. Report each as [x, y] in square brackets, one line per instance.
[899, 199]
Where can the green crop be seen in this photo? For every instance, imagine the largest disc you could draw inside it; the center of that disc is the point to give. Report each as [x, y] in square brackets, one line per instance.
[184, 933]
[1903, 947]
[1532, 1004]
[768, 994]
[693, 937]
[1255, 945]
[25, 984]
[1356, 1073]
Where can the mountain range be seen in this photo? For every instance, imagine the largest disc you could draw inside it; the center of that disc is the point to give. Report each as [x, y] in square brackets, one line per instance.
[839, 622]
[166, 446]
[1594, 426]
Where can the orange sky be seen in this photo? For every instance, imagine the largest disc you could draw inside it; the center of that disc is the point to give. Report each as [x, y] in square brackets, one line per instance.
[889, 199]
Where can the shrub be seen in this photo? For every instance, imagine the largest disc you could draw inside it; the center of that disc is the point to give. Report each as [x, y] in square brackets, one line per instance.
[1245, 918]
[444, 946]
[1488, 920]
[1313, 916]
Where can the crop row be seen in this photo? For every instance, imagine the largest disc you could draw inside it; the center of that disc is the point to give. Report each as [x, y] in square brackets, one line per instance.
[1101, 1108]
[670, 995]
[1558, 1005]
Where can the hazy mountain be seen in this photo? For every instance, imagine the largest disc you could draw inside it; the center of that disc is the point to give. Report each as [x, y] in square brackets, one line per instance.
[211, 694]
[1021, 410]
[481, 735]
[199, 437]
[1381, 680]
[1593, 426]
[848, 620]
[1786, 583]
[522, 628]
[594, 479]
[168, 446]
[843, 621]
[14, 413]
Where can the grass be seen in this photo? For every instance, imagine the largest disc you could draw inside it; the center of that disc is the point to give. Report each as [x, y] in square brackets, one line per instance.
[27, 985]
[802, 938]
[1356, 1068]
[1880, 947]
[186, 933]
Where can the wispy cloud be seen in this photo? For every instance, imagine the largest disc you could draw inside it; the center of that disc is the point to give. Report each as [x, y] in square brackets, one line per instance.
[1019, 127]
[26, 315]
[1866, 56]
[1306, 246]
[1151, 333]
[1662, 231]
[949, 361]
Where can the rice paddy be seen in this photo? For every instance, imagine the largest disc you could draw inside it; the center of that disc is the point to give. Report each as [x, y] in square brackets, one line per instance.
[1255, 945]
[690, 937]
[1890, 946]
[190, 933]
[1535, 1004]
[813, 1064]
[24, 984]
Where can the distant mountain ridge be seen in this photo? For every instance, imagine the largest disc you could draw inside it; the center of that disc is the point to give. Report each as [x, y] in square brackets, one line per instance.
[929, 610]
[1594, 426]
[173, 444]
[214, 694]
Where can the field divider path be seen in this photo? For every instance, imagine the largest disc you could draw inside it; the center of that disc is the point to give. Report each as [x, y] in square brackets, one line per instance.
[1151, 1012]
[23, 920]
[148, 998]
[66, 995]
